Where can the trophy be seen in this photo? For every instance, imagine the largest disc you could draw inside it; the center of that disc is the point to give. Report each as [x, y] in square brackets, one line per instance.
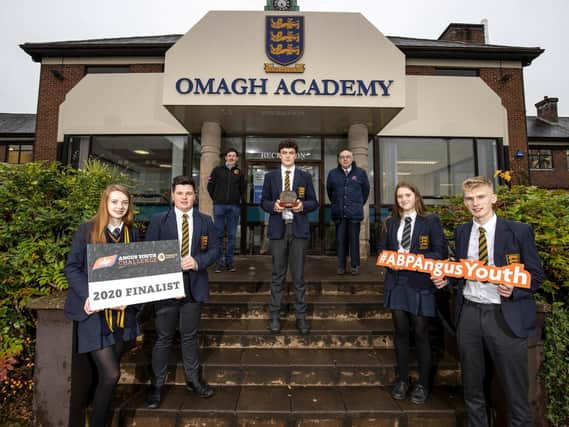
[288, 199]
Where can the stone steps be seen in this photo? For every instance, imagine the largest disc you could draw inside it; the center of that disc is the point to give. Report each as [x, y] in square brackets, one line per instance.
[321, 306]
[327, 333]
[290, 367]
[287, 406]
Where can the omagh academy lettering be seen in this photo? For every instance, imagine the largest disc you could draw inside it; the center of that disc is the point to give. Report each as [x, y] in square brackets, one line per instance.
[295, 87]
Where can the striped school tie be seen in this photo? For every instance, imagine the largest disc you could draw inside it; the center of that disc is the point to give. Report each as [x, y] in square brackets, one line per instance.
[406, 238]
[482, 246]
[185, 236]
[287, 181]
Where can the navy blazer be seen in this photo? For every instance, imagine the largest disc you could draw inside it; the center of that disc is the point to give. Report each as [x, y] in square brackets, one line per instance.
[428, 239]
[511, 238]
[272, 188]
[203, 248]
[76, 272]
[347, 194]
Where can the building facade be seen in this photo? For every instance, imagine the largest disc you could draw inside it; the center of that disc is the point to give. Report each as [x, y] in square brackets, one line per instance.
[548, 140]
[430, 112]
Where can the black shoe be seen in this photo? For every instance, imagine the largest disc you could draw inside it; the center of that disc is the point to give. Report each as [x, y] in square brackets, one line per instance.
[355, 271]
[275, 326]
[400, 390]
[153, 400]
[201, 390]
[231, 268]
[341, 271]
[303, 326]
[218, 268]
[419, 394]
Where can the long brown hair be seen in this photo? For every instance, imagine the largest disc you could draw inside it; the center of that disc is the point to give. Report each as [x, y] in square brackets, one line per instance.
[396, 211]
[101, 218]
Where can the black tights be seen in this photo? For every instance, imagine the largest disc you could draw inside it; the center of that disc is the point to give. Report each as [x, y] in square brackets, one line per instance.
[108, 373]
[401, 321]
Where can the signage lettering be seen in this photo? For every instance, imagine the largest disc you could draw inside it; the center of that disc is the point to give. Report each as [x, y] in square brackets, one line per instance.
[297, 87]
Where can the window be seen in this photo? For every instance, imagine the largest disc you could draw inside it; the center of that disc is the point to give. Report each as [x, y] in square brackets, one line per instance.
[468, 72]
[540, 158]
[437, 166]
[19, 153]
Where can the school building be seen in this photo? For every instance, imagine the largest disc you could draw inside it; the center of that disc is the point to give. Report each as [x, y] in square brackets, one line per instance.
[428, 111]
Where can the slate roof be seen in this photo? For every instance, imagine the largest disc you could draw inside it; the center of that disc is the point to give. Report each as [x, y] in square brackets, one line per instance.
[542, 129]
[157, 46]
[15, 124]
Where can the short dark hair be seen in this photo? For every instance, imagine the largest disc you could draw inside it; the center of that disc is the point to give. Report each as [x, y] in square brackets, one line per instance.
[229, 150]
[183, 180]
[345, 149]
[288, 143]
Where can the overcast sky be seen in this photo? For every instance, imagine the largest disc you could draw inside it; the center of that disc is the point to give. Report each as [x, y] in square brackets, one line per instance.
[529, 23]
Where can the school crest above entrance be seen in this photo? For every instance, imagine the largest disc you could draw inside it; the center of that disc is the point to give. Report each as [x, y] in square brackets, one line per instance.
[284, 43]
[325, 72]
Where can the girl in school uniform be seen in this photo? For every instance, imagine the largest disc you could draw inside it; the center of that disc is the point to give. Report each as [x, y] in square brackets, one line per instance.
[103, 333]
[411, 295]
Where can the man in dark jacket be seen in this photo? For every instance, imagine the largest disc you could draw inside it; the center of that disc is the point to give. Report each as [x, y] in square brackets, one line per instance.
[226, 186]
[348, 189]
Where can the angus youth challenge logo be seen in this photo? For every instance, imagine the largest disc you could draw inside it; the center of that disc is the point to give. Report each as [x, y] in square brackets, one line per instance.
[284, 43]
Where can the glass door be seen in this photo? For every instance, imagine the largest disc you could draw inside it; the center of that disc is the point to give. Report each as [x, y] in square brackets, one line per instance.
[255, 219]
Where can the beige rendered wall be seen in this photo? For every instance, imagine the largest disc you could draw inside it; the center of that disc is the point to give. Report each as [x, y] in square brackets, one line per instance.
[449, 106]
[117, 104]
[337, 46]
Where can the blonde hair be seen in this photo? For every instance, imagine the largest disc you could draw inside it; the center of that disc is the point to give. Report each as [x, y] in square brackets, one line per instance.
[477, 181]
[101, 218]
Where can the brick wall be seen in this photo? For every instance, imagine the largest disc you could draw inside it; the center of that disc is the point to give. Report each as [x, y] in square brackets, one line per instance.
[508, 84]
[3, 149]
[556, 178]
[52, 93]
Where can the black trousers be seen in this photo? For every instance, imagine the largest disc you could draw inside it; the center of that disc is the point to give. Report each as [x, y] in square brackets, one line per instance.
[185, 316]
[288, 251]
[482, 330]
[348, 239]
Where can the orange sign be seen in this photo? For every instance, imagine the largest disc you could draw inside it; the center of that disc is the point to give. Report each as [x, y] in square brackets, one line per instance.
[511, 274]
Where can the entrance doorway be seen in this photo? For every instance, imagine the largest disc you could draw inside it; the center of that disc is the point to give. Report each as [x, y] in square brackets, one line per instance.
[254, 220]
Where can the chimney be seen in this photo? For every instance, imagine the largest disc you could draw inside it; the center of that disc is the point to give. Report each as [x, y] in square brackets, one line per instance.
[547, 109]
[468, 33]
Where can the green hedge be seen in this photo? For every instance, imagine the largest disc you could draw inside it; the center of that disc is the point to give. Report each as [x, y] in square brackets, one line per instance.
[41, 205]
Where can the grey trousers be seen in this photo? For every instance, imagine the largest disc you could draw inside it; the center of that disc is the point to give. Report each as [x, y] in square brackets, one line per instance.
[288, 251]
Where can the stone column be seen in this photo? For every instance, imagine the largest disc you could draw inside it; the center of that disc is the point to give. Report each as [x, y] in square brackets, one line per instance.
[211, 144]
[358, 143]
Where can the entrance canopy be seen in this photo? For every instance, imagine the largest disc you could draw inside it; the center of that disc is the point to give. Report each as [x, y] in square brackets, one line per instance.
[261, 72]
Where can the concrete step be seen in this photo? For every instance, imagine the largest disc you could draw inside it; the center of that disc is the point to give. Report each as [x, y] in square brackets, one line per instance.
[325, 333]
[346, 285]
[321, 306]
[292, 406]
[291, 367]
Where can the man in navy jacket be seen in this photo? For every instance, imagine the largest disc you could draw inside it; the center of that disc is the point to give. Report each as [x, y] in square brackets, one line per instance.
[288, 231]
[494, 319]
[185, 312]
[348, 189]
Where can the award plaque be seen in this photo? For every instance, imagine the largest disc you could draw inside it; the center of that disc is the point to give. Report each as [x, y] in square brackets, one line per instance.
[288, 199]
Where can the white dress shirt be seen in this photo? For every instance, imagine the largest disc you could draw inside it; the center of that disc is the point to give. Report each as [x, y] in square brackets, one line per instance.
[482, 292]
[112, 228]
[179, 214]
[413, 217]
[287, 213]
